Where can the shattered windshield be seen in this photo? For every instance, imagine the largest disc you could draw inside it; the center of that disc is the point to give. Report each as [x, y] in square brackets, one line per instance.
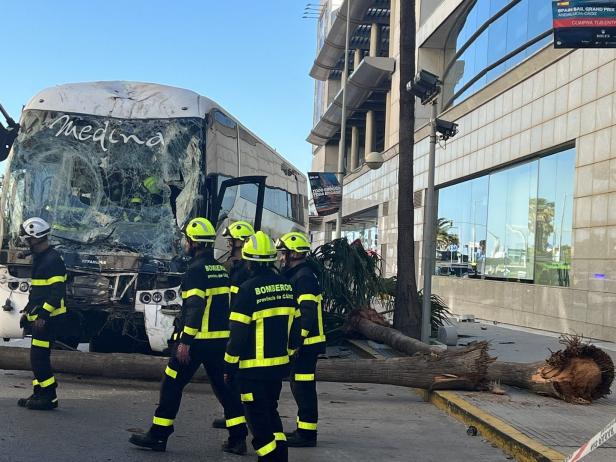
[125, 184]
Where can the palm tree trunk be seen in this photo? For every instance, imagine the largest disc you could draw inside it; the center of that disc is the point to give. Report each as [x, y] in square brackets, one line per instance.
[407, 314]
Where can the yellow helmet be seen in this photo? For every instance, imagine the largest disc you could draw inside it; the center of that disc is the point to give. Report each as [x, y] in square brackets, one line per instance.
[200, 230]
[294, 241]
[241, 230]
[259, 247]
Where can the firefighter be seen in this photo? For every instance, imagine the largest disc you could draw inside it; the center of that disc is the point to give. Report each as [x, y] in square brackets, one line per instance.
[203, 338]
[265, 332]
[236, 234]
[44, 311]
[293, 249]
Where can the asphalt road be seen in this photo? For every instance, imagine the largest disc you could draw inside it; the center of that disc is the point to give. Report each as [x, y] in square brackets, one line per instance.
[358, 423]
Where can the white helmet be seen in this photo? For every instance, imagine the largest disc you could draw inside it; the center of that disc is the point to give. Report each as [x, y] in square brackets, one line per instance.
[34, 227]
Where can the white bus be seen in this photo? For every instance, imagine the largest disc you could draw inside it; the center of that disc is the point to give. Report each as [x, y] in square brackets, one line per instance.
[118, 168]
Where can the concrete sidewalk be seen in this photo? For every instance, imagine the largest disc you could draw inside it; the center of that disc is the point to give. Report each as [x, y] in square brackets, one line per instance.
[529, 426]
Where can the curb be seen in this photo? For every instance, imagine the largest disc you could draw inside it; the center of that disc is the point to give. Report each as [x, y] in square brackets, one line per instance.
[512, 441]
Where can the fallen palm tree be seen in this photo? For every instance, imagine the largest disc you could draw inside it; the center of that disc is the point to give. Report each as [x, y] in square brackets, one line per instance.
[462, 369]
[580, 373]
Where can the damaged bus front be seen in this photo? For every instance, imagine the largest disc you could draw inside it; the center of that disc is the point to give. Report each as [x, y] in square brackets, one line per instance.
[117, 192]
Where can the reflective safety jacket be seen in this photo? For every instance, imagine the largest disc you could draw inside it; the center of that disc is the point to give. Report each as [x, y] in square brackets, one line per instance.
[309, 297]
[205, 297]
[48, 286]
[238, 274]
[265, 328]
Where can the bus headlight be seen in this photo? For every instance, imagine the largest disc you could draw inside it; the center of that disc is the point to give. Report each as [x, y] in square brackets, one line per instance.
[145, 298]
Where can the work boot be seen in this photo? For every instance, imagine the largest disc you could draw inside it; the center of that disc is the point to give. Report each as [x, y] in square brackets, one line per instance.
[219, 423]
[23, 402]
[41, 403]
[146, 440]
[297, 440]
[235, 446]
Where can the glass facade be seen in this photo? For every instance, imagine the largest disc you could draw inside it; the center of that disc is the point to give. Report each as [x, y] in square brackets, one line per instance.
[523, 22]
[513, 224]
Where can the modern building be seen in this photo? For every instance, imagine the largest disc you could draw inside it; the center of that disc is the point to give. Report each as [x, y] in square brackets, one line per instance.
[526, 191]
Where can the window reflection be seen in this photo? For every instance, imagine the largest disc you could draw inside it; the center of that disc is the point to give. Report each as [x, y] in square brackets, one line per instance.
[525, 21]
[514, 224]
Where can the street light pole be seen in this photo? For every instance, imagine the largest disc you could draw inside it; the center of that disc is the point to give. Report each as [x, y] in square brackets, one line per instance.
[429, 233]
[342, 143]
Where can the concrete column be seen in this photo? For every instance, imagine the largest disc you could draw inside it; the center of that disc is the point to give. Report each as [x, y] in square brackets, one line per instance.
[356, 59]
[387, 121]
[374, 39]
[369, 145]
[354, 147]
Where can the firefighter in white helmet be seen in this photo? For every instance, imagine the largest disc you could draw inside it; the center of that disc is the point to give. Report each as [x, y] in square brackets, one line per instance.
[44, 311]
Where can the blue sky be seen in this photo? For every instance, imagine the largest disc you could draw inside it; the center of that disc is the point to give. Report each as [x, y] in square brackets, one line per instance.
[251, 57]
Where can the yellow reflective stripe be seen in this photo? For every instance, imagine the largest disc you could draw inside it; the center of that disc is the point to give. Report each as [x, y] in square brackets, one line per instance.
[205, 322]
[265, 450]
[247, 397]
[239, 317]
[310, 298]
[306, 425]
[298, 313]
[174, 336]
[217, 291]
[213, 334]
[31, 317]
[305, 333]
[40, 343]
[48, 307]
[265, 362]
[162, 422]
[260, 339]
[279, 436]
[270, 312]
[48, 282]
[291, 352]
[35, 383]
[190, 331]
[193, 292]
[313, 340]
[234, 289]
[235, 421]
[48, 382]
[231, 359]
[171, 373]
[304, 377]
[59, 311]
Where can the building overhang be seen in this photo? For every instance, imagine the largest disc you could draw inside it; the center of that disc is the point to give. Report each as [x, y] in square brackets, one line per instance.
[372, 74]
[360, 11]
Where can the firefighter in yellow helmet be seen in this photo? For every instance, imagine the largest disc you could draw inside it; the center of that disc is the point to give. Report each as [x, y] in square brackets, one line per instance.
[265, 332]
[293, 249]
[203, 339]
[236, 234]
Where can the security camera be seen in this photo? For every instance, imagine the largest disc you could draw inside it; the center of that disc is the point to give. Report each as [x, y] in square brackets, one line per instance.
[425, 86]
[446, 129]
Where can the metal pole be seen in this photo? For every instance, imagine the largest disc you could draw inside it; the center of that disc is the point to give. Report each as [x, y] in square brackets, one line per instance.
[342, 143]
[429, 234]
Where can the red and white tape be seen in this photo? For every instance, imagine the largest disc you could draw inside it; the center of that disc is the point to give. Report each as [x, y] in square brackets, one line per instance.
[599, 439]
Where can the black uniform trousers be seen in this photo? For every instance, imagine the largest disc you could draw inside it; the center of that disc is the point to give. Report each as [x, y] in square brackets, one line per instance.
[260, 399]
[210, 354]
[44, 382]
[304, 389]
